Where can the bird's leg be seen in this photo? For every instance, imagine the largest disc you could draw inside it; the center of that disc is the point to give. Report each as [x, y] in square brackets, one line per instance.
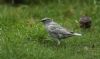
[58, 42]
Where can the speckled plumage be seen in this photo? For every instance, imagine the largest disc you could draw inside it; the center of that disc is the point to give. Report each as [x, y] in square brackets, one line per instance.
[57, 31]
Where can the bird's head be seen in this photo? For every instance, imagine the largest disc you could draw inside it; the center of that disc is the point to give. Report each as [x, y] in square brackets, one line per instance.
[46, 20]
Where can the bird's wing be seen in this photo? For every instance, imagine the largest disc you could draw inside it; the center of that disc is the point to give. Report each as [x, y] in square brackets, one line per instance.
[55, 28]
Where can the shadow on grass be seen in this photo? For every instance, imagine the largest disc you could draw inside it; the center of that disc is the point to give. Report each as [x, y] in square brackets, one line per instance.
[51, 43]
[47, 43]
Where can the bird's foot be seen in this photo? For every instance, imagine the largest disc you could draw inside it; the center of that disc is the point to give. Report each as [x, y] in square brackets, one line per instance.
[58, 42]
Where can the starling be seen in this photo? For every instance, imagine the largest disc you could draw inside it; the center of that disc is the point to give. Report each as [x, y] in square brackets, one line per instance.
[56, 31]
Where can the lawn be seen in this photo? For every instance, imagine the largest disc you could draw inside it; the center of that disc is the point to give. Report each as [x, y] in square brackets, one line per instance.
[23, 36]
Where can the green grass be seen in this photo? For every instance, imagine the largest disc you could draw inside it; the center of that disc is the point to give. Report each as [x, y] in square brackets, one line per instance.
[22, 36]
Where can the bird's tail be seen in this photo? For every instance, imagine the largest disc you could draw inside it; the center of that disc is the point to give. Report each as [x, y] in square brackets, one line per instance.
[77, 34]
